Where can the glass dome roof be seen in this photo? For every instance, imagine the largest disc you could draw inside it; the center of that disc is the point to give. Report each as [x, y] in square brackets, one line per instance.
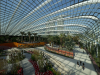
[50, 17]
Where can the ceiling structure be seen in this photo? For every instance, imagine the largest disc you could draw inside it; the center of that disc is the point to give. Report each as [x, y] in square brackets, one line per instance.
[50, 17]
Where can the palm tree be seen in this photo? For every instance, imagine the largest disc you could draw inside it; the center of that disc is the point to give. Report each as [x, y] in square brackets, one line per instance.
[7, 37]
[25, 37]
[62, 38]
[29, 34]
[22, 33]
[49, 40]
[39, 38]
[34, 36]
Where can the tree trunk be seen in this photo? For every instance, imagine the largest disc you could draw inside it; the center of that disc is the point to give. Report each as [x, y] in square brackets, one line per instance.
[22, 39]
[52, 44]
[34, 38]
[29, 38]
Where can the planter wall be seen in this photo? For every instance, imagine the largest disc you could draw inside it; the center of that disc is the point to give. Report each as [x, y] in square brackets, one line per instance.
[62, 52]
[15, 44]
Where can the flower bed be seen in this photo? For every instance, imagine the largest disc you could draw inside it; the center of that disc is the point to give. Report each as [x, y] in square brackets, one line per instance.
[20, 71]
[61, 52]
[37, 69]
[41, 64]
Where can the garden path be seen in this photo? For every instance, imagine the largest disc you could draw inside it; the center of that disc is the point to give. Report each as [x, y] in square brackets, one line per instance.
[28, 68]
[71, 64]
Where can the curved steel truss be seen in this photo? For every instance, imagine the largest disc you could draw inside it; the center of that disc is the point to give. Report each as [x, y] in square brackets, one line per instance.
[53, 16]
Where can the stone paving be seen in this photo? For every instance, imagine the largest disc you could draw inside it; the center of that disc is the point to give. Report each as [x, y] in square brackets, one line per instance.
[28, 68]
[71, 64]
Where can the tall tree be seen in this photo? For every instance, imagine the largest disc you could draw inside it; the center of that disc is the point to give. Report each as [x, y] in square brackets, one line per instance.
[25, 36]
[62, 37]
[39, 37]
[34, 36]
[29, 34]
[22, 33]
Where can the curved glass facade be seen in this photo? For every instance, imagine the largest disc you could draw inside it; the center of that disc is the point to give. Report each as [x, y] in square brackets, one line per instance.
[80, 17]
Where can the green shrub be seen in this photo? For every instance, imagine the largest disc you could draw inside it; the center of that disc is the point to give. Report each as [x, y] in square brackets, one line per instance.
[33, 57]
[54, 71]
[40, 62]
[36, 52]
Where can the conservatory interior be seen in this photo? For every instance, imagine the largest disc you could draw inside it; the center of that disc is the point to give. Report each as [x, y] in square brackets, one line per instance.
[49, 37]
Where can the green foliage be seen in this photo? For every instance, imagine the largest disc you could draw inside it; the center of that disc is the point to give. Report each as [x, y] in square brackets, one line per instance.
[14, 60]
[39, 57]
[33, 57]
[41, 67]
[81, 44]
[15, 68]
[75, 39]
[69, 45]
[36, 52]
[56, 40]
[62, 37]
[54, 71]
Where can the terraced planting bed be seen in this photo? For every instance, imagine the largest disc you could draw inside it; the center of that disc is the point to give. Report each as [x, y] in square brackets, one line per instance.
[41, 64]
[61, 52]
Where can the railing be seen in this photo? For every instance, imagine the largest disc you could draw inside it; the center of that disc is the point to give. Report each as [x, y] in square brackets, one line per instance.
[62, 52]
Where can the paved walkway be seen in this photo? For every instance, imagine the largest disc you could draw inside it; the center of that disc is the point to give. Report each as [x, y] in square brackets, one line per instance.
[28, 68]
[71, 64]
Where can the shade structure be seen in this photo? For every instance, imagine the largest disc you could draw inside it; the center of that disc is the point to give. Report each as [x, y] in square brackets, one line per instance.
[80, 17]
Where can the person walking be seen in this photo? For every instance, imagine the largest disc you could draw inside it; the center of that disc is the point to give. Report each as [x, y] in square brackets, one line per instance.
[77, 63]
[83, 66]
[58, 49]
[83, 63]
[80, 62]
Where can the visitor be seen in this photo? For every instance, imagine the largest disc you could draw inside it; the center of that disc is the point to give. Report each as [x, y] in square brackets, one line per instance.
[83, 66]
[83, 63]
[96, 70]
[58, 49]
[83, 51]
[77, 63]
[80, 62]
